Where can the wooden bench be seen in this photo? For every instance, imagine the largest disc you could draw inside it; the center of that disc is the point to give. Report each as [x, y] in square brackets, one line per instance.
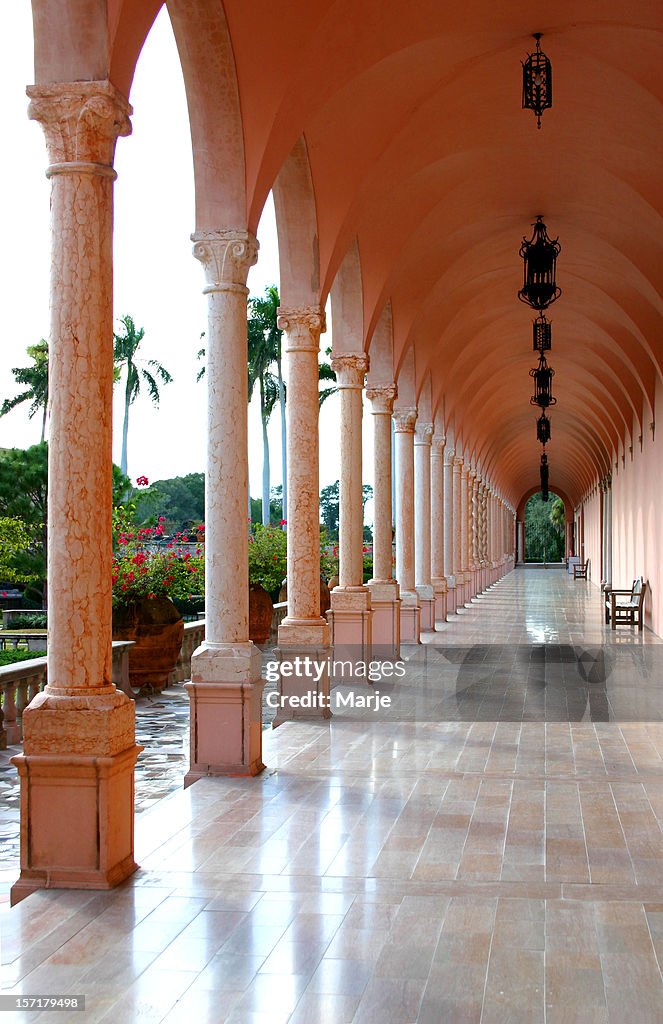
[580, 571]
[624, 607]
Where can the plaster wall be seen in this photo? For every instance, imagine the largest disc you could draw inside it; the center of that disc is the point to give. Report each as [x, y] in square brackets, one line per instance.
[637, 520]
[592, 549]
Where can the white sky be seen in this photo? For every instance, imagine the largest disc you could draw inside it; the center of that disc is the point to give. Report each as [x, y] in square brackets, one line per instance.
[157, 279]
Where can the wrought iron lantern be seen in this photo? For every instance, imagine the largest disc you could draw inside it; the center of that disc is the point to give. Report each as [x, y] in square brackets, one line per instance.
[539, 256]
[544, 476]
[537, 81]
[543, 429]
[542, 375]
[542, 334]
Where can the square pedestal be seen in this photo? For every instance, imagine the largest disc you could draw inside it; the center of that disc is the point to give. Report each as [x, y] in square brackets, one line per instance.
[451, 599]
[410, 618]
[304, 683]
[225, 695]
[386, 626]
[350, 620]
[77, 821]
[426, 608]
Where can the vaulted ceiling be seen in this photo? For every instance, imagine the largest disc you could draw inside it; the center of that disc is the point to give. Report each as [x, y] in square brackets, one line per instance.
[419, 149]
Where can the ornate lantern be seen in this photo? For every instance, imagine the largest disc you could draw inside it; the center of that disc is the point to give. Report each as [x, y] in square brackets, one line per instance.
[544, 476]
[543, 429]
[541, 334]
[539, 256]
[537, 81]
[542, 375]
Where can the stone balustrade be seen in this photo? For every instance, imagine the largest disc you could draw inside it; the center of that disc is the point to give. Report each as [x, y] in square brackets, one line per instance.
[20, 682]
[194, 634]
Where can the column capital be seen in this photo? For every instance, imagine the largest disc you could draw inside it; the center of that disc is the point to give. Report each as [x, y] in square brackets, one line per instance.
[423, 433]
[81, 122]
[458, 463]
[350, 369]
[404, 420]
[382, 398]
[439, 442]
[303, 326]
[226, 256]
[449, 454]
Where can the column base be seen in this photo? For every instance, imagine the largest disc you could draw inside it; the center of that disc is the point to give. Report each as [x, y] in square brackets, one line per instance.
[410, 617]
[304, 683]
[426, 608]
[451, 595]
[225, 695]
[460, 590]
[386, 606]
[350, 620]
[440, 590]
[77, 821]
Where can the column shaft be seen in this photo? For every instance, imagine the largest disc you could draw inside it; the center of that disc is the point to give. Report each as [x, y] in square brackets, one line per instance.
[385, 601]
[422, 518]
[79, 750]
[225, 689]
[438, 577]
[449, 558]
[458, 533]
[404, 422]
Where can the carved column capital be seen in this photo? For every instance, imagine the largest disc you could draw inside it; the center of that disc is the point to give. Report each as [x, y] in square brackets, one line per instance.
[404, 420]
[81, 122]
[423, 433]
[382, 398]
[226, 256]
[438, 443]
[303, 326]
[350, 369]
[458, 464]
[449, 454]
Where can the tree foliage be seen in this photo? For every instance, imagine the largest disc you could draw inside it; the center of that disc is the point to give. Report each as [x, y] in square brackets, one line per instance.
[138, 373]
[34, 380]
[330, 507]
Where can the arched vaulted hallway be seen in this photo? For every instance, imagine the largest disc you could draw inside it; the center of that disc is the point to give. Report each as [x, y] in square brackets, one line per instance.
[405, 175]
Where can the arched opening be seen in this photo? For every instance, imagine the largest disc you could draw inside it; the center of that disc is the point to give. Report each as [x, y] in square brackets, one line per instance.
[544, 529]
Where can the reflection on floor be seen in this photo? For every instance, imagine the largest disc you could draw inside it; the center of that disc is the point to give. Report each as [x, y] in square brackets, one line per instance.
[427, 866]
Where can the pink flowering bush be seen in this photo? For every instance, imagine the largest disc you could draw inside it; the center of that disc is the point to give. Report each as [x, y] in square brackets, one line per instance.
[145, 568]
[267, 557]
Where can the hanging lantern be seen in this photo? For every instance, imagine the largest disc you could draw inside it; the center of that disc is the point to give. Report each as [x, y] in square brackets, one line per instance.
[543, 429]
[544, 476]
[542, 334]
[539, 256]
[537, 81]
[542, 375]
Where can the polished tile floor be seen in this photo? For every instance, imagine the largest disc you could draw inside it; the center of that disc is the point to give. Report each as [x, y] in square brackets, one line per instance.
[489, 850]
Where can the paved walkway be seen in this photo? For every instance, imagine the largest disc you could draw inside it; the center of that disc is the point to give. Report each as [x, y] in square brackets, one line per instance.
[489, 851]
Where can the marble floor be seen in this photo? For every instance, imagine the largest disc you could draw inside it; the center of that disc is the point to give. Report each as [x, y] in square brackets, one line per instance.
[490, 849]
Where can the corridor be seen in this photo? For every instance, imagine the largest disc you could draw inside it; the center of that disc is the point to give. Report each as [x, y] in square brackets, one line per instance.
[489, 849]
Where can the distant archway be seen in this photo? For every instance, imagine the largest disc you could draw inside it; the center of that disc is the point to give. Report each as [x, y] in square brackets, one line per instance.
[544, 529]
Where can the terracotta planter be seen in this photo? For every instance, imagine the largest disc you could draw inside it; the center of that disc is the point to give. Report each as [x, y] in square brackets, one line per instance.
[325, 599]
[156, 627]
[260, 614]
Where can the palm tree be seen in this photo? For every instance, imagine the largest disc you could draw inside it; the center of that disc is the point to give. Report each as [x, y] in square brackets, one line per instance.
[261, 356]
[126, 346]
[265, 311]
[35, 381]
[325, 373]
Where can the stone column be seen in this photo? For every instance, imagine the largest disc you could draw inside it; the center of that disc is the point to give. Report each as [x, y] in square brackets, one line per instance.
[520, 529]
[438, 578]
[458, 533]
[422, 519]
[465, 512]
[225, 691]
[385, 600]
[449, 529]
[350, 615]
[404, 422]
[472, 526]
[303, 633]
[79, 751]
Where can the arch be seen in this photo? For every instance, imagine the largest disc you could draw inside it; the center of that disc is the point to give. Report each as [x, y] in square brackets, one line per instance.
[347, 305]
[297, 227]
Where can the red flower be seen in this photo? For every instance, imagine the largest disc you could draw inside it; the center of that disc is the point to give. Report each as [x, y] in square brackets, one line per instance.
[142, 481]
[283, 522]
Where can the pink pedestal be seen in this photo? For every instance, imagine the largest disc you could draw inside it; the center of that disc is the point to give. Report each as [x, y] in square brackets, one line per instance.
[76, 821]
[410, 623]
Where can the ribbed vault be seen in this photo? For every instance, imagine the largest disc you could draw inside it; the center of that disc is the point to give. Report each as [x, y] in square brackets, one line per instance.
[418, 154]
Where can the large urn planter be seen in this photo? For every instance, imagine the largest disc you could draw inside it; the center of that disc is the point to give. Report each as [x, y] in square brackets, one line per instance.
[325, 598]
[157, 628]
[261, 610]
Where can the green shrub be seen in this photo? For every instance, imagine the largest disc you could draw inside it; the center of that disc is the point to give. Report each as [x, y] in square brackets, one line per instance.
[36, 621]
[12, 657]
